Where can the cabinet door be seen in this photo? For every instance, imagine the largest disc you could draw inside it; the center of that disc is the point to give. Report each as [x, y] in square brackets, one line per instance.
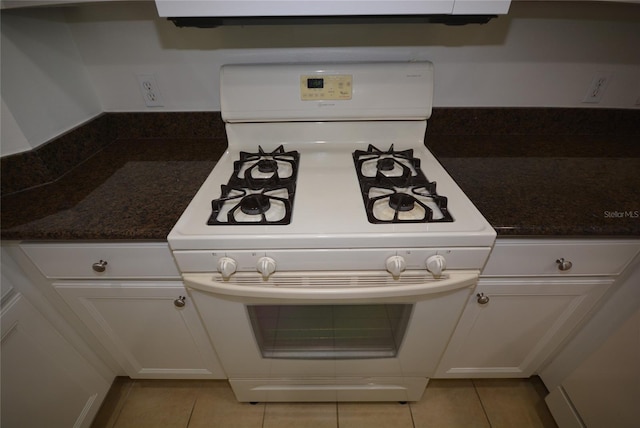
[523, 321]
[605, 387]
[151, 328]
[45, 383]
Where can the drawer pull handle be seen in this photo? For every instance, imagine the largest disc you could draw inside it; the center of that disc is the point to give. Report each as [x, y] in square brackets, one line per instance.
[482, 299]
[100, 266]
[563, 264]
[180, 302]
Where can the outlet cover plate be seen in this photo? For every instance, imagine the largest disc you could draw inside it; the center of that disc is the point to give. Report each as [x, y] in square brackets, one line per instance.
[150, 90]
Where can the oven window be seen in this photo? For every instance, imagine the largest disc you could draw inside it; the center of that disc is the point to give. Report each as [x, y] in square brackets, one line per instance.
[329, 331]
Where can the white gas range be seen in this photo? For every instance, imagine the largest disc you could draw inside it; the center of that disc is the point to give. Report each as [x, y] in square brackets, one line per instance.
[327, 215]
[387, 108]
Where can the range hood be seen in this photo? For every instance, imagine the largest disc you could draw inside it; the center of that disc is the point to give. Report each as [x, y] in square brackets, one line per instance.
[226, 9]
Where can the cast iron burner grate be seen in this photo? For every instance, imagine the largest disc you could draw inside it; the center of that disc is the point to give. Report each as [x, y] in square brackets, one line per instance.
[395, 190]
[260, 190]
[262, 170]
[241, 205]
[399, 166]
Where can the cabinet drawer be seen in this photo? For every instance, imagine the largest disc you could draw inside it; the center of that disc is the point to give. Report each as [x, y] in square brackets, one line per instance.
[539, 257]
[148, 260]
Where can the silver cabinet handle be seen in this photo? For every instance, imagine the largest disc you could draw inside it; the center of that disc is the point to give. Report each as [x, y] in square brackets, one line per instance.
[563, 264]
[180, 302]
[100, 266]
[482, 299]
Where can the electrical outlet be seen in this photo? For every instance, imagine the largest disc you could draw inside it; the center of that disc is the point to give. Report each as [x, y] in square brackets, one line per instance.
[597, 87]
[150, 90]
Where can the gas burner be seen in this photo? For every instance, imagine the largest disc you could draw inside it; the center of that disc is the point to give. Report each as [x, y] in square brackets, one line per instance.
[255, 204]
[268, 166]
[263, 169]
[241, 205]
[402, 202]
[395, 190]
[385, 164]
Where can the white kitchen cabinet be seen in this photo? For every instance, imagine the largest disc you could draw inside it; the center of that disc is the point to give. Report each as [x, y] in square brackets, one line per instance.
[516, 329]
[45, 382]
[103, 261]
[48, 378]
[151, 328]
[540, 257]
[605, 387]
[131, 298]
[525, 306]
[595, 379]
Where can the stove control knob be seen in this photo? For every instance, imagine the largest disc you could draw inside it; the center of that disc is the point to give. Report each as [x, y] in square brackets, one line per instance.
[227, 267]
[436, 264]
[396, 265]
[266, 266]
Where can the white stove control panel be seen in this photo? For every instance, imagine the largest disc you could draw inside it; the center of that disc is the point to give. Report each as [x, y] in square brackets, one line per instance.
[395, 261]
[325, 92]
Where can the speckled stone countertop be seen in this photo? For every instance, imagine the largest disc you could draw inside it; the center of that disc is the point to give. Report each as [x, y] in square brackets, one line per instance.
[133, 186]
[129, 176]
[554, 193]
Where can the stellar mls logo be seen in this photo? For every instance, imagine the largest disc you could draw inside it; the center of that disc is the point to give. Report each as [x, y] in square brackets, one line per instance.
[622, 214]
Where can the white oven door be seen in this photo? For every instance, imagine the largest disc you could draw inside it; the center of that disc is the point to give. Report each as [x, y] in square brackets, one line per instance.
[330, 336]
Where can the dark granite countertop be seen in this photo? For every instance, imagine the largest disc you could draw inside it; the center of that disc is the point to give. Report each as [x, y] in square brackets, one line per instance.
[131, 190]
[135, 185]
[553, 196]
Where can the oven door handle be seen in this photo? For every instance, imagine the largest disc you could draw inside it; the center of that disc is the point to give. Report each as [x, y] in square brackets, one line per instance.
[402, 289]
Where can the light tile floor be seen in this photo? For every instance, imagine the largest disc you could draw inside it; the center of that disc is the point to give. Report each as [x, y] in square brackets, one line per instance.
[464, 403]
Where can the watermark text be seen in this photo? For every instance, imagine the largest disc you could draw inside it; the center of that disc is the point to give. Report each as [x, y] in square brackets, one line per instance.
[622, 214]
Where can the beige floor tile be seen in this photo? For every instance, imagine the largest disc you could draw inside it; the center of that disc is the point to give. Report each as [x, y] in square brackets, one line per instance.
[156, 403]
[113, 403]
[513, 403]
[374, 415]
[211, 404]
[217, 407]
[300, 415]
[449, 403]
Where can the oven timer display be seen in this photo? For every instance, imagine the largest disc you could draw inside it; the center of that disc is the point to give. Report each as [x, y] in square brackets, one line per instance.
[313, 83]
[326, 87]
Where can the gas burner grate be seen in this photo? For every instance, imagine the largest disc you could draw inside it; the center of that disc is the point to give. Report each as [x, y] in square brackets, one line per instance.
[241, 205]
[265, 169]
[260, 191]
[399, 166]
[395, 190]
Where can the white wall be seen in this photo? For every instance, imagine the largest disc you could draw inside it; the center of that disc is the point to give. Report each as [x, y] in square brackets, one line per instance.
[66, 65]
[541, 54]
[12, 139]
[46, 89]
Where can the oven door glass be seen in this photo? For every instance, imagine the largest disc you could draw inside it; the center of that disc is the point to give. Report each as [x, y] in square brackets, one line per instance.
[329, 331]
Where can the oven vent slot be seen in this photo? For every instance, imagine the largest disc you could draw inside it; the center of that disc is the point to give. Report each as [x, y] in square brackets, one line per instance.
[339, 280]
